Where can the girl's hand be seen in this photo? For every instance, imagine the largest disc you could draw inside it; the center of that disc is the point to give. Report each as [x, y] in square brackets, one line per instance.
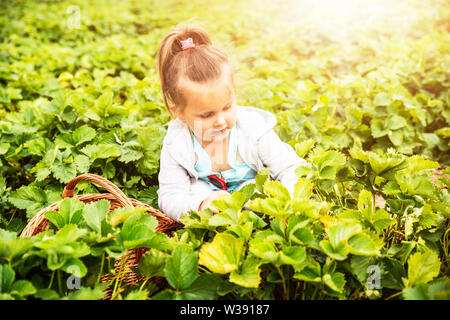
[207, 202]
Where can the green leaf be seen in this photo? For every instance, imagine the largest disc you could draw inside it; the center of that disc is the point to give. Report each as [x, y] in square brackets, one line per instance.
[264, 249]
[359, 265]
[393, 274]
[138, 295]
[223, 254]
[138, 231]
[181, 267]
[302, 148]
[166, 294]
[203, 288]
[63, 167]
[417, 163]
[91, 114]
[270, 236]
[298, 231]
[311, 272]
[4, 147]
[396, 137]
[402, 251]
[440, 289]
[303, 189]
[82, 163]
[261, 178]
[342, 231]
[391, 188]
[96, 293]
[23, 288]
[378, 129]
[69, 115]
[416, 293]
[7, 276]
[381, 220]
[70, 212]
[302, 236]
[130, 151]
[430, 139]
[104, 101]
[83, 134]
[427, 218]
[152, 263]
[338, 252]
[309, 208]
[269, 206]
[242, 231]
[335, 281]
[228, 216]
[362, 244]
[277, 190]
[11, 247]
[249, 274]
[101, 151]
[382, 99]
[55, 218]
[353, 116]
[30, 198]
[46, 294]
[75, 266]
[248, 190]
[94, 214]
[423, 266]
[293, 255]
[120, 215]
[395, 122]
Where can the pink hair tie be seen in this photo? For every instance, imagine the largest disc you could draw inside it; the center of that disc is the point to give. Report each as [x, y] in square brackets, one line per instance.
[186, 44]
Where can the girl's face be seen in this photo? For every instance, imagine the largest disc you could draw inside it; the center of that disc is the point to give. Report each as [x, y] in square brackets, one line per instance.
[210, 110]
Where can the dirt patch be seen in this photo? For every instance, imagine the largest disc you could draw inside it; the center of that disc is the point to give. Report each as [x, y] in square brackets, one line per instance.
[437, 174]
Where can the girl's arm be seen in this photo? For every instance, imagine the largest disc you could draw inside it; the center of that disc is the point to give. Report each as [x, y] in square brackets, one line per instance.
[177, 194]
[281, 159]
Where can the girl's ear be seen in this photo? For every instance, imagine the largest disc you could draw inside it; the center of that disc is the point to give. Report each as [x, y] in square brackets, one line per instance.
[176, 111]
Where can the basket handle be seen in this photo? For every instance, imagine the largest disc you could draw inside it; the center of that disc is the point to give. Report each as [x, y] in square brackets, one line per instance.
[69, 189]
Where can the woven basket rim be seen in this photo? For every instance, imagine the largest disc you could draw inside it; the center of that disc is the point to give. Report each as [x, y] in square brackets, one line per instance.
[115, 194]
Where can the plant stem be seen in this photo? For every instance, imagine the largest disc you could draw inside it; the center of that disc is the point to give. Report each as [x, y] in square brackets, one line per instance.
[144, 283]
[282, 278]
[101, 268]
[304, 289]
[118, 280]
[296, 289]
[59, 282]
[394, 295]
[315, 293]
[345, 198]
[12, 216]
[444, 243]
[51, 279]
[319, 193]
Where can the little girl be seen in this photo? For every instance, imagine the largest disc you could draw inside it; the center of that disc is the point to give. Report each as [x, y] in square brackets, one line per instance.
[212, 145]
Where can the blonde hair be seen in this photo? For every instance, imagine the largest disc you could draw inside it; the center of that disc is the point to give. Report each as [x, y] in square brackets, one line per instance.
[200, 64]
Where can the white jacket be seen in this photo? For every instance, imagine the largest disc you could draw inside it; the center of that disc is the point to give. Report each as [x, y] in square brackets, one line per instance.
[180, 190]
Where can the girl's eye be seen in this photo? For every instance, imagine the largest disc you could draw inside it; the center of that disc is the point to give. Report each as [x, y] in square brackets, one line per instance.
[204, 116]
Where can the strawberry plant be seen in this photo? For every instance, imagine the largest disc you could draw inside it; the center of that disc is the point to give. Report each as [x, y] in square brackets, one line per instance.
[365, 102]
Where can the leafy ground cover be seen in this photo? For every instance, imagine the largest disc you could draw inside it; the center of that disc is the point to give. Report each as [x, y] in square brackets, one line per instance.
[364, 100]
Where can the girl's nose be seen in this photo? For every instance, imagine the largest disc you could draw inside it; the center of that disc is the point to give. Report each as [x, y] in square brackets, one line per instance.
[220, 120]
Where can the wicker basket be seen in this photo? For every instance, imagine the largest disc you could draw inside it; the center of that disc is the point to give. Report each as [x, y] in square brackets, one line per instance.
[117, 199]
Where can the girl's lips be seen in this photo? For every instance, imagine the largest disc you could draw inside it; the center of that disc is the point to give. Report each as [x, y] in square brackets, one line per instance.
[220, 131]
